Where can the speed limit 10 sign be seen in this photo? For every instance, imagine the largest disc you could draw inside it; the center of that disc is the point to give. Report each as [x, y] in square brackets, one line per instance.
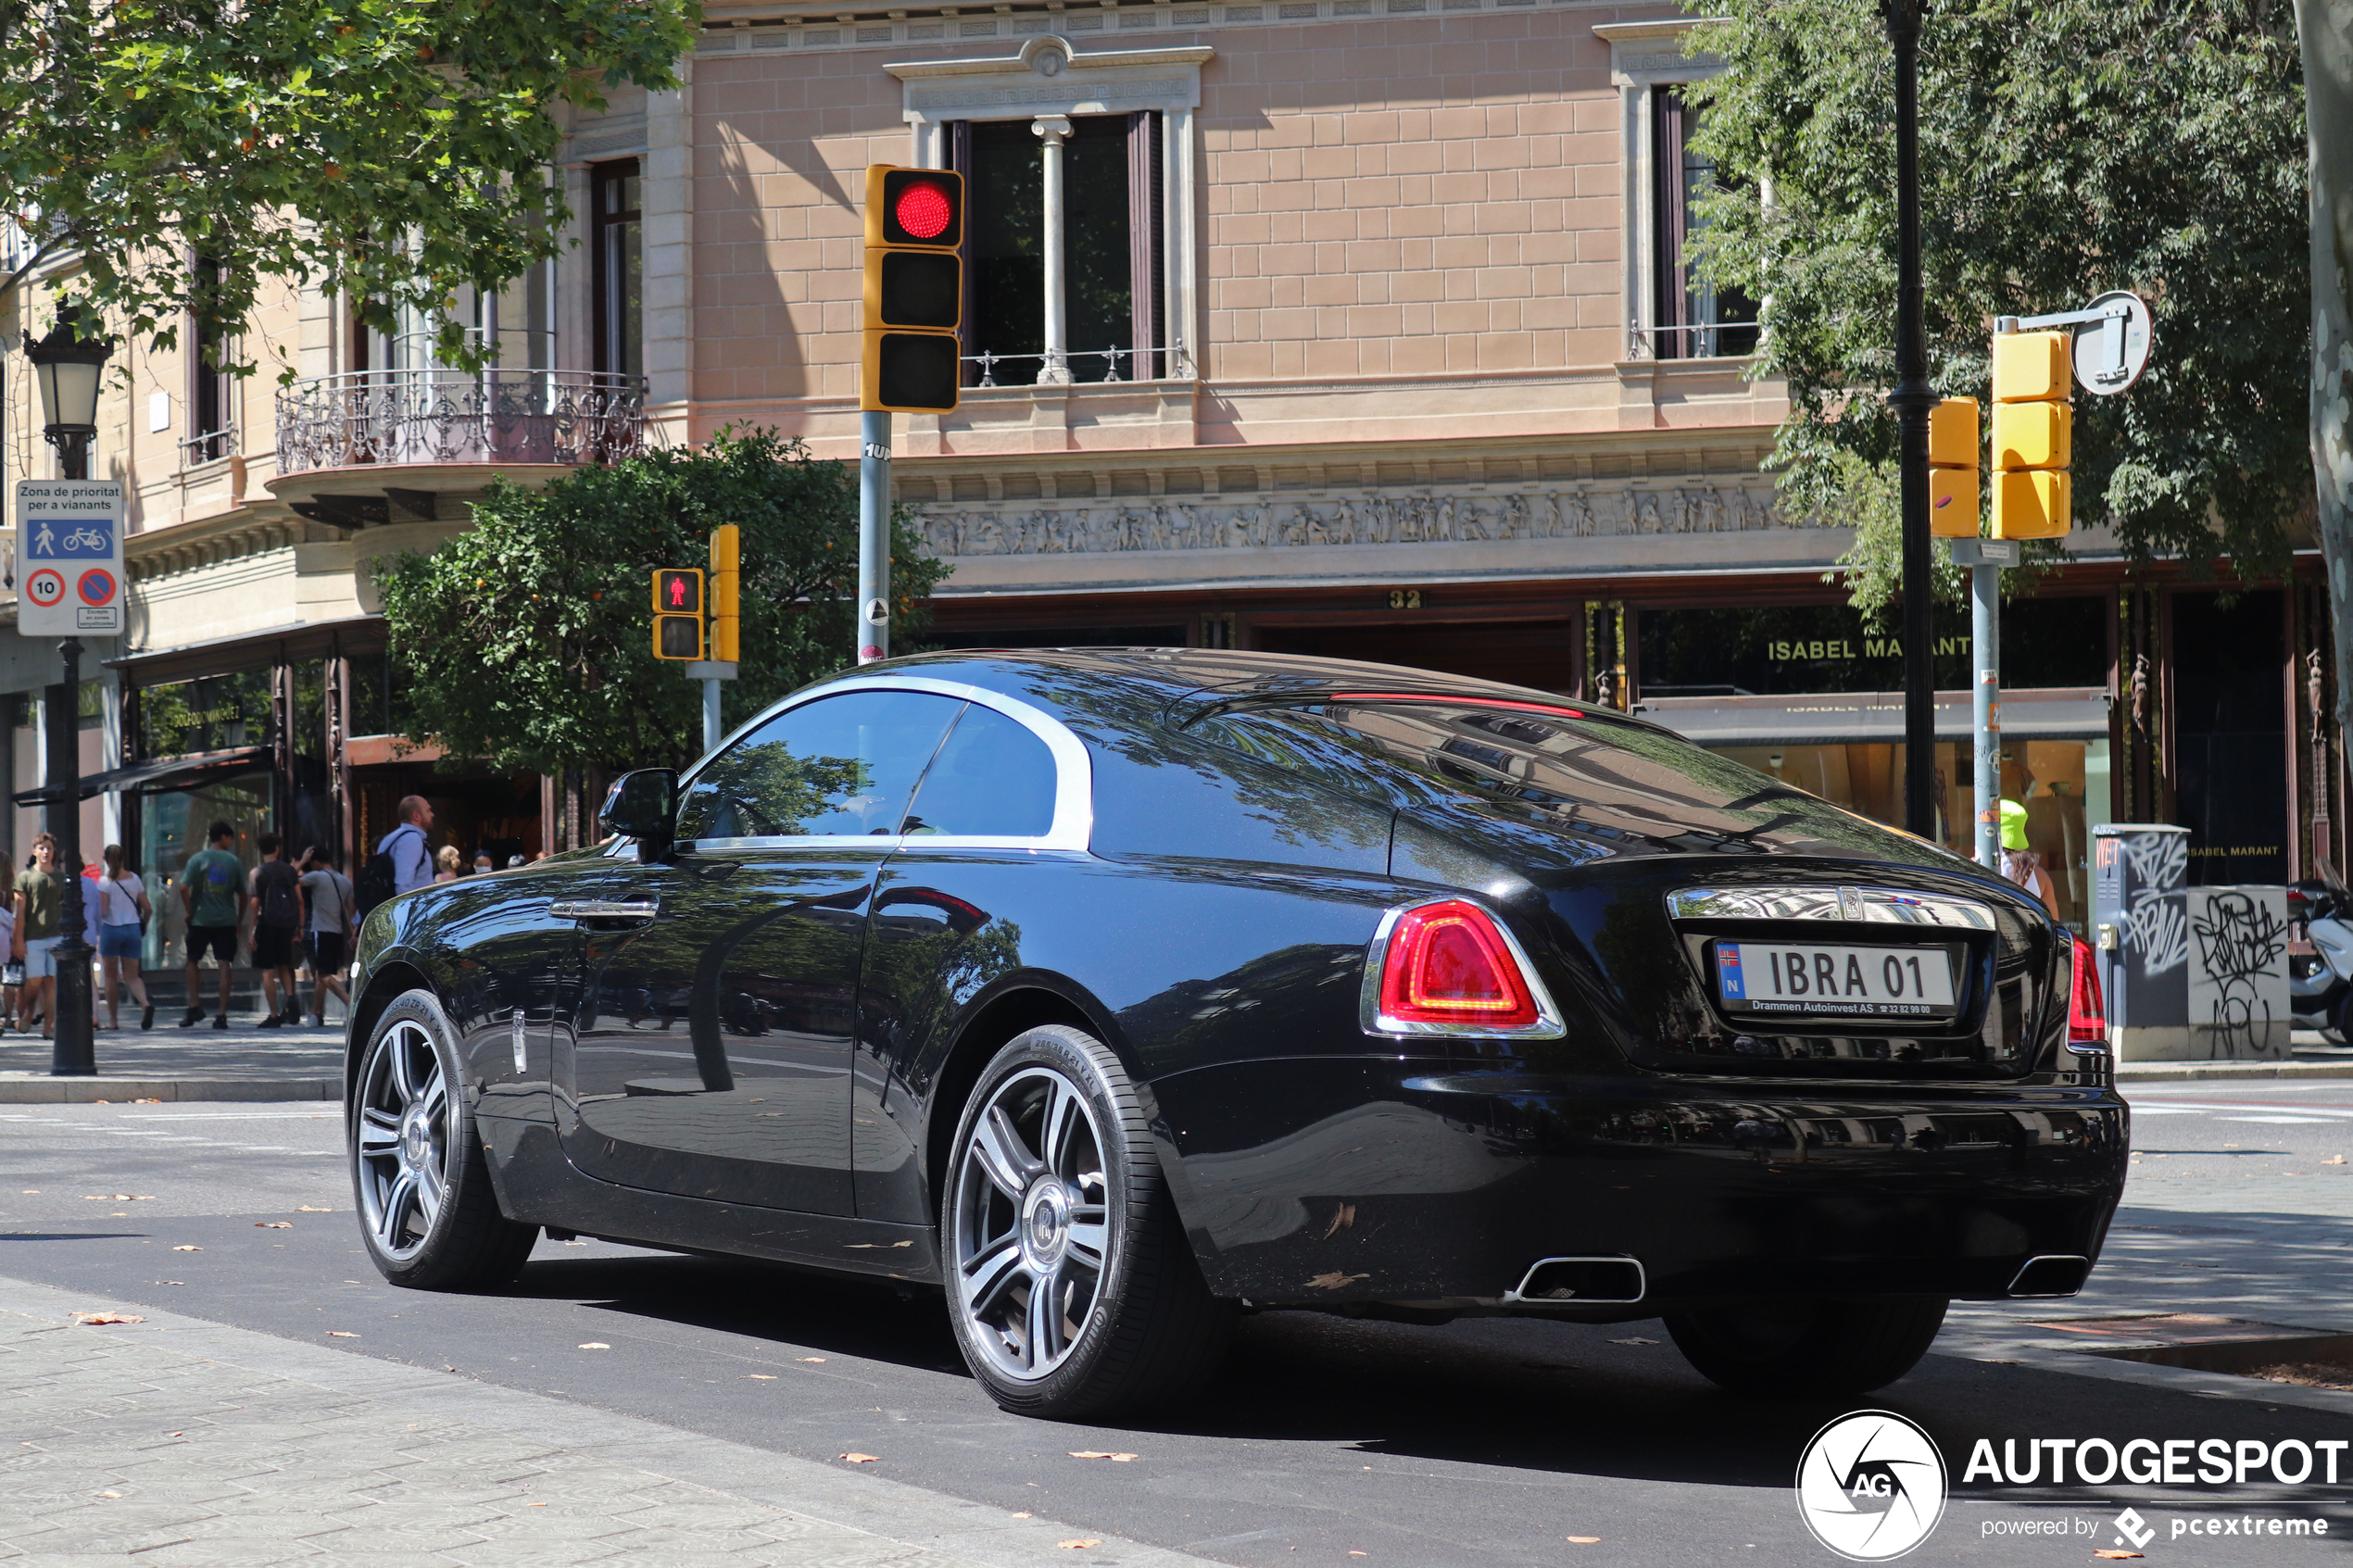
[70, 557]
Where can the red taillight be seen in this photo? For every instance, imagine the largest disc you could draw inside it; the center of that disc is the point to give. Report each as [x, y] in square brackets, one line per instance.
[2086, 1014]
[1447, 963]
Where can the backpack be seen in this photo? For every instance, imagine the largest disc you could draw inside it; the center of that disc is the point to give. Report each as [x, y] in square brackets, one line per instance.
[280, 905]
[376, 882]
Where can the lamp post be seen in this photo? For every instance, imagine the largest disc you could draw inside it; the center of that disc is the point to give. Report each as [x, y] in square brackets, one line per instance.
[1912, 398]
[68, 366]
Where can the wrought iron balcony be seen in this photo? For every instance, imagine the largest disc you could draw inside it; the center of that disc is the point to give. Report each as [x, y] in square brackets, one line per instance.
[398, 418]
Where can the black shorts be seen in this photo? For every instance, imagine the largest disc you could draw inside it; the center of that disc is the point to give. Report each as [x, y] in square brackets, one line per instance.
[326, 951]
[274, 947]
[219, 940]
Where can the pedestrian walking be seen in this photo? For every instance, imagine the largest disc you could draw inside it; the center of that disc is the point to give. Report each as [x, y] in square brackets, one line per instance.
[483, 864]
[123, 909]
[40, 894]
[11, 970]
[447, 861]
[273, 924]
[2021, 864]
[327, 901]
[405, 846]
[212, 892]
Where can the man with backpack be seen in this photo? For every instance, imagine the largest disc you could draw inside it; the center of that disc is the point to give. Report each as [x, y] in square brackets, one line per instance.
[403, 860]
[213, 888]
[273, 924]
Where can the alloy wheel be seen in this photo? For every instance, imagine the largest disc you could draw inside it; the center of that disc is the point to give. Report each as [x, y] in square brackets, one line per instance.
[1032, 1222]
[404, 1140]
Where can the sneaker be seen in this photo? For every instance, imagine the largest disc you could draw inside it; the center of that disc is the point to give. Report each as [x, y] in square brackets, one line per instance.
[148, 1016]
[221, 1022]
[292, 1015]
[195, 1016]
[318, 1021]
[270, 1021]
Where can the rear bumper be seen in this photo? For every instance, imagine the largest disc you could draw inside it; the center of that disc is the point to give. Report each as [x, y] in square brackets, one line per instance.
[1330, 1182]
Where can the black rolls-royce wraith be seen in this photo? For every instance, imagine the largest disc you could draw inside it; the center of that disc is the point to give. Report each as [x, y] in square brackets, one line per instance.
[1119, 992]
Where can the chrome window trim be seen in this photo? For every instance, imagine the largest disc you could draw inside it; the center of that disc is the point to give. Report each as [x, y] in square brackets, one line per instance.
[1855, 906]
[1074, 822]
[1548, 1024]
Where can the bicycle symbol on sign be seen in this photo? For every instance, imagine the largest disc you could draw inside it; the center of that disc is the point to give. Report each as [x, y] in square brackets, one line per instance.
[85, 539]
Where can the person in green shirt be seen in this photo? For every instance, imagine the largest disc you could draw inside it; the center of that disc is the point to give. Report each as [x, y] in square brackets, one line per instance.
[212, 886]
[40, 893]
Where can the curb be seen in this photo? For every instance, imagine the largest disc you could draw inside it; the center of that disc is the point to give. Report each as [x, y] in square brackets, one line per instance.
[2190, 1072]
[30, 1088]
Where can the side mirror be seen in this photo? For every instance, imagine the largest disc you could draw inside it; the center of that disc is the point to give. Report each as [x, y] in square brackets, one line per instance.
[644, 805]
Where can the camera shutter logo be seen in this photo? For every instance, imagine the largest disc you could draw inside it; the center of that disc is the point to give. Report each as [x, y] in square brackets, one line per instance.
[1871, 1486]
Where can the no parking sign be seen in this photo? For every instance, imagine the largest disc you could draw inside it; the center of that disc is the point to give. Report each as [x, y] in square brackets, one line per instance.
[70, 557]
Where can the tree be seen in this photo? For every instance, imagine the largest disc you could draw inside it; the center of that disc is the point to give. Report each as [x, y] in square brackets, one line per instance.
[393, 151]
[2066, 147]
[2326, 29]
[528, 638]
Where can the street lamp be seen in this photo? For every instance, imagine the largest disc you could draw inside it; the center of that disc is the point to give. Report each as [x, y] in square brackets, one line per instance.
[1913, 397]
[69, 365]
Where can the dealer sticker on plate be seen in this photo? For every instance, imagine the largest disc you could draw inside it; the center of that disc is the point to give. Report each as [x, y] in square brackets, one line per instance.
[1851, 982]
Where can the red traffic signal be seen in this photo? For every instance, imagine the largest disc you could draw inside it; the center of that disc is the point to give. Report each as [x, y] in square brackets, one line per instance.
[915, 293]
[678, 627]
[677, 592]
[915, 207]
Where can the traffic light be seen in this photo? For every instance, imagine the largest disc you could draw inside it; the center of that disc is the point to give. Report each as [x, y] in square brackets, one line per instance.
[1952, 468]
[678, 613]
[915, 293]
[726, 560]
[2033, 427]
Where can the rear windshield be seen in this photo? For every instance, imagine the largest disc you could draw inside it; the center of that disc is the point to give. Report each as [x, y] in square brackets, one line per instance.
[1617, 786]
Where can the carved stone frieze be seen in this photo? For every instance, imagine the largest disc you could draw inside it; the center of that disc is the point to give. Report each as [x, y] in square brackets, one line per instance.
[1163, 523]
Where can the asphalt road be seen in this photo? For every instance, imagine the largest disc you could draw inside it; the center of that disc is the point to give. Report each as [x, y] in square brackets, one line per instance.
[1482, 1441]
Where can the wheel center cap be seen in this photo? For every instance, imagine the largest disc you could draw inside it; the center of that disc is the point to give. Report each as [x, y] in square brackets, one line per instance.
[416, 1139]
[1045, 1223]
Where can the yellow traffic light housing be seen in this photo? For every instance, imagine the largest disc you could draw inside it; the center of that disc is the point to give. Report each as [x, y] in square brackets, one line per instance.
[678, 611]
[2033, 435]
[726, 593]
[1951, 473]
[912, 301]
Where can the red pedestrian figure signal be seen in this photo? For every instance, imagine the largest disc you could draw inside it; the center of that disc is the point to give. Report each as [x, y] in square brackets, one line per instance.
[678, 622]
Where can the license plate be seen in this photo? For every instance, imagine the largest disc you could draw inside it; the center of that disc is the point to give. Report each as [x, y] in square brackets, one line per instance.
[1812, 978]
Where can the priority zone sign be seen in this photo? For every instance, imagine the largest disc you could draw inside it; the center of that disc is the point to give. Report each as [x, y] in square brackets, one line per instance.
[70, 557]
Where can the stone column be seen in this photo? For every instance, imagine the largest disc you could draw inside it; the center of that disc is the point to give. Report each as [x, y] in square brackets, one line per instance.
[1051, 129]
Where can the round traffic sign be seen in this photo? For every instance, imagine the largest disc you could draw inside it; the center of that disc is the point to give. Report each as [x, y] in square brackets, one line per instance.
[2111, 352]
[96, 586]
[45, 587]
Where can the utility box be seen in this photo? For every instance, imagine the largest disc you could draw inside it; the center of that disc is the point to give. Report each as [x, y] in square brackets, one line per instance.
[2188, 973]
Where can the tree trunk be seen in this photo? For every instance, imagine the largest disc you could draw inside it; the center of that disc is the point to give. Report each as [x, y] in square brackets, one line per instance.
[2325, 31]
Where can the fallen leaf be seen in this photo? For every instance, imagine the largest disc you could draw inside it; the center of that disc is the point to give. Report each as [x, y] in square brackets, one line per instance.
[1634, 1341]
[107, 1317]
[1017, 1515]
[1100, 1453]
[1335, 1281]
[535, 1505]
[187, 1249]
[33, 1192]
[179, 1433]
[761, 1376]
[172, 1282]
[307, 1209]
[146, 1102]
[2333, 1160]
[274, 1224]
[862, 1458]
[820, 1360]
[1342, 1217]
[108, 1494]
[1073, 1545]
[596, 1345]
[1584, 1540]
[341, 1333]
[2104, 1552]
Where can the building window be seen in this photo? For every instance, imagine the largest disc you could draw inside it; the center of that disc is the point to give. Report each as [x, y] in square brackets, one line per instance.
[618, 268]
[1694, 319]
[211, 391]
[1111, 236]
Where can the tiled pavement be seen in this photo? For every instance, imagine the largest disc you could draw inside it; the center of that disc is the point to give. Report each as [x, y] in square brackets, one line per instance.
[180, 1443]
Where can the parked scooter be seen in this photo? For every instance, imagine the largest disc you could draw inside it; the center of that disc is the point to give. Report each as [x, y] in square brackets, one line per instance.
[2320, 968]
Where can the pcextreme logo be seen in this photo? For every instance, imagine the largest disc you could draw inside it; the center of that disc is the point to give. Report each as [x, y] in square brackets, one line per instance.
[1871, 1486]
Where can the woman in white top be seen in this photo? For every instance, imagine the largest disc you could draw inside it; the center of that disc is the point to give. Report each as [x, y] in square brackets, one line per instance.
[122, 917]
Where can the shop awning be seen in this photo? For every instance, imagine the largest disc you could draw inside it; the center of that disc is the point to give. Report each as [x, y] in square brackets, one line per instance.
[1852, 718]
[164, 773]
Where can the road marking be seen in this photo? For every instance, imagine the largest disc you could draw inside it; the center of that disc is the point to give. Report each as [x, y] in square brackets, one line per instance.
[2300, 1121]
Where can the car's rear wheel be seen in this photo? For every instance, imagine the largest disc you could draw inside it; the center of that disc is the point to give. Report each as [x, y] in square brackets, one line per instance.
[427, 1213]
[1071, 1286]
[1802, 1347]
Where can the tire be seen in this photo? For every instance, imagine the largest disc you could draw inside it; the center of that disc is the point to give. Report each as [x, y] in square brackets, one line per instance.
[427, 1212]
[1071, 1289]
[1807, 1348]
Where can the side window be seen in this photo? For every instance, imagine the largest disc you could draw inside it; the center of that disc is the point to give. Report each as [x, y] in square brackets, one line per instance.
[993, 778]
[841, 765]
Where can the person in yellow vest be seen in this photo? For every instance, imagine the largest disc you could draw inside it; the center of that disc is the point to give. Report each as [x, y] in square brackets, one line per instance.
[2021, 864]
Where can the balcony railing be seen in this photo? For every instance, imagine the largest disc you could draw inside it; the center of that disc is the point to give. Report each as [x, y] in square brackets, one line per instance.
[443, 416]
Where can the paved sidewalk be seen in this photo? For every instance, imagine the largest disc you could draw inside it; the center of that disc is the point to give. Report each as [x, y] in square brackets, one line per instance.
[185, 1443]
[171, 1063]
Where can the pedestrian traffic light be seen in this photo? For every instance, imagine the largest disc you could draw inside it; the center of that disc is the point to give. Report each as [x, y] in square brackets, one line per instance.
[914, 289]
[726, 558]
[2033, 427]
[678, 613]
[1952, 468]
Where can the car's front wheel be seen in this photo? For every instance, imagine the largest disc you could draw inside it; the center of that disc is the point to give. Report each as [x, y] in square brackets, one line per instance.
[1071, 1286]
[1804, 1348]
[427, 1213]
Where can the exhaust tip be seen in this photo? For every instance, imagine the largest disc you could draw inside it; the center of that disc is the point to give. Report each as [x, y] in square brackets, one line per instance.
[2054, 1273]
[1581, 1281]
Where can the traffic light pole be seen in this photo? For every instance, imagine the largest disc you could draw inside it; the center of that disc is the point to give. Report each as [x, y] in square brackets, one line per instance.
[1986, 558]
[873, 537]
[1912, 398]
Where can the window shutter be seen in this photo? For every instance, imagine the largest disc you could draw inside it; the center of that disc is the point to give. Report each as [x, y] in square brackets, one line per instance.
[1144, 245]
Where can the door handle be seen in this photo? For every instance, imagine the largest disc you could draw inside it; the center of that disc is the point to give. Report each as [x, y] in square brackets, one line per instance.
[598, 908]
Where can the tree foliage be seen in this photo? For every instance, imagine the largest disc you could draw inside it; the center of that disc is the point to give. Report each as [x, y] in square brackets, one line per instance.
[528, 637]
[392, 151]
[2066, 147]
